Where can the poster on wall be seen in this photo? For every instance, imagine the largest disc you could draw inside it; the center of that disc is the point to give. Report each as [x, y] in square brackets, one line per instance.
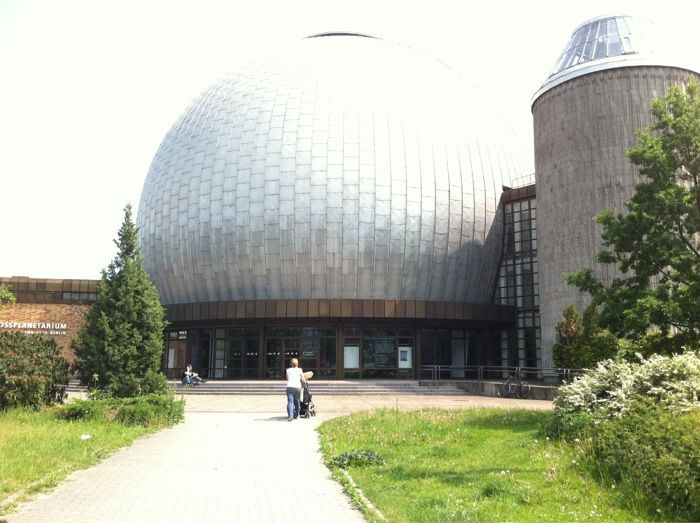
[352, 357]
[405, 358]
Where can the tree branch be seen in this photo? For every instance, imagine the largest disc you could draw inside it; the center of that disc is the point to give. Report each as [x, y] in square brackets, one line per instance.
[672, 278]
[685, 241]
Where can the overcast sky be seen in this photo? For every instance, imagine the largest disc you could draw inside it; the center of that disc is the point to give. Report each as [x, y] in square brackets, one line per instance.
[89, 89]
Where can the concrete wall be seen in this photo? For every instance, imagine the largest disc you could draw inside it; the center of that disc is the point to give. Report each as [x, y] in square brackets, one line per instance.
[490, 388]
[582, 129]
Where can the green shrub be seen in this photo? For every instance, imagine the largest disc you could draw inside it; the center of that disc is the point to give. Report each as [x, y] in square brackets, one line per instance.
[356, 458]
[128, 385]
[650, 451]
[609, 389]
[572, 425]
[163, 409]
[138, 414]
[654, 341]
[33, 371]
[149, 411]
[638, 426]
[84, 410]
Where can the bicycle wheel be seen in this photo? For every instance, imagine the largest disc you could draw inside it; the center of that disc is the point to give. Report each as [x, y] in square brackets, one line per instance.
[525, 392]
[522, 391]
[502, 390]
[516, 391]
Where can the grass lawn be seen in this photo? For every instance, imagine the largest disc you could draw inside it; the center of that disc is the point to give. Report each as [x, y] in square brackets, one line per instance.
[37, 450]
[469, 465]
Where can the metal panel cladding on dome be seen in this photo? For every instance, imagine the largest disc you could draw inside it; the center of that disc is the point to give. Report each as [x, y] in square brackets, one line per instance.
[346, 167]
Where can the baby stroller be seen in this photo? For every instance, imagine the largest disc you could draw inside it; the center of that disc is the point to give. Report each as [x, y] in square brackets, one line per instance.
[306, 405]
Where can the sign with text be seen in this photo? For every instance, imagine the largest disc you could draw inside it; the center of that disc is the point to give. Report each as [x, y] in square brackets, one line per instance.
[351, 357]
[36, 327]
[405, 357]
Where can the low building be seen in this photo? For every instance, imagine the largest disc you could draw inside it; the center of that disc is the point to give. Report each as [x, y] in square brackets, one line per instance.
[53, 307]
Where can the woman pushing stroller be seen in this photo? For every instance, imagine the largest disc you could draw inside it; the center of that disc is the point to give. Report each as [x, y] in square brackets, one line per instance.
[295, 380]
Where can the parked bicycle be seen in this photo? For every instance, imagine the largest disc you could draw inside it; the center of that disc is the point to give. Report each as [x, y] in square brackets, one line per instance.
[514, 387]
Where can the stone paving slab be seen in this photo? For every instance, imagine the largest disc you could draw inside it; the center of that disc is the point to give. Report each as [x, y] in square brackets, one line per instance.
[338, 405]
[234, 458]
[213, 467]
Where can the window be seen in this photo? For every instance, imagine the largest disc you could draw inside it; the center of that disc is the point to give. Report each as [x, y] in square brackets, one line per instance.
[517, 284]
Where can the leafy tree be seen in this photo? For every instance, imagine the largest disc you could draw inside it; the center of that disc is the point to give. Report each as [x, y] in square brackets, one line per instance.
[5, 295]
[33, 371]
[656, 245]
[580, 343]
[120, 346]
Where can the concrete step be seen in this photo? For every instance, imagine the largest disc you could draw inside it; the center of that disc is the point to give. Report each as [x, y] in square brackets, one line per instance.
[323, 388]
[202, 390]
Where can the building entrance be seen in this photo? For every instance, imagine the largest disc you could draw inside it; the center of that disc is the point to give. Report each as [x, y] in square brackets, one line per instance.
[314, 347]
[330, 352]
[336, 339]
[230, 353]
[377, 352]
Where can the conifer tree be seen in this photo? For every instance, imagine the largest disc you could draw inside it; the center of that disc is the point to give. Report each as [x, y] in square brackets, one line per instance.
[582, 343]
[568, 334]
[120, 346]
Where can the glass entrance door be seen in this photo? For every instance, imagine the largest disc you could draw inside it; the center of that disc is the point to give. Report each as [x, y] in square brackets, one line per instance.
[309, 350]
[251, 357]
[283, 344]
[230, 354]
[314, 347]
[234, 358]
[291, 350]
[274, 358]
[242, 353]
[217, 352]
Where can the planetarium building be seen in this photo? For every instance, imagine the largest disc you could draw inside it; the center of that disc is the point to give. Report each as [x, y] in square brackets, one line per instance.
[356, 204]
[339, 204]
[352, 204]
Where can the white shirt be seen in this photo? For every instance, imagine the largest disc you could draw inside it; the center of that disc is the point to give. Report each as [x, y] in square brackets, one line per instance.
[294, 377]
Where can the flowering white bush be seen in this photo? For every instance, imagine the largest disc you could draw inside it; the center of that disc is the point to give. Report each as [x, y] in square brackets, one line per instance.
[609, 389]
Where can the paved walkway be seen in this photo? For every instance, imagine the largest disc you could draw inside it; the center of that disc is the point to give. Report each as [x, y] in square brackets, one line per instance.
[248, 464]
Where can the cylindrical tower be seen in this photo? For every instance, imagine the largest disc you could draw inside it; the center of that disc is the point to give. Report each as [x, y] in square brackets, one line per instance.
[585, 116]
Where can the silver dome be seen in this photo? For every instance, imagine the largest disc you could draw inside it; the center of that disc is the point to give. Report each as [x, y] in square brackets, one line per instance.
[347, 167]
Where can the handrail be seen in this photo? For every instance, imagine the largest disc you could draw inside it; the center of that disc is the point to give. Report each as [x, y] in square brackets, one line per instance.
[437, 373]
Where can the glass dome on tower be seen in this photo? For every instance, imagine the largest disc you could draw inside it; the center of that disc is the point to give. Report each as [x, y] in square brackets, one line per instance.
[612, 41]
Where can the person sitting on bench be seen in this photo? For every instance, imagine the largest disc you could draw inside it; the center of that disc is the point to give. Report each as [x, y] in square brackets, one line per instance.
[189, 377]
